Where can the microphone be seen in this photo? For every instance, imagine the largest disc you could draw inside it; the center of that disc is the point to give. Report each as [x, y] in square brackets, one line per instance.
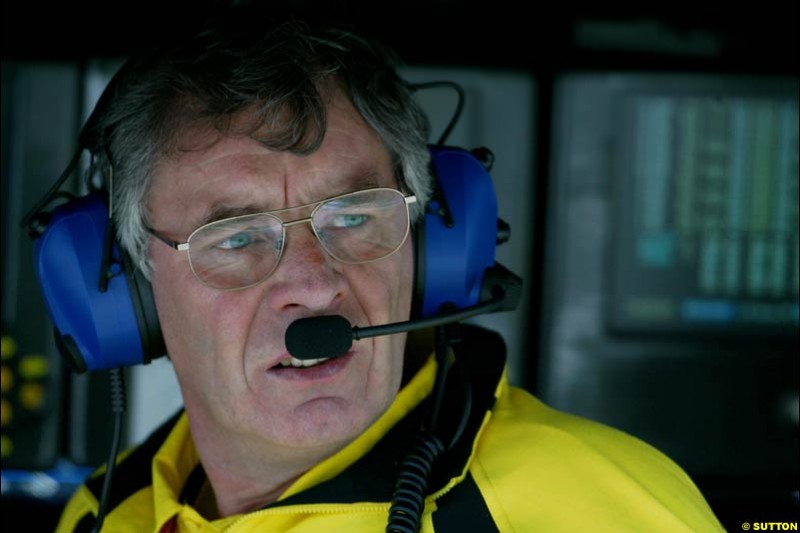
[327, 336]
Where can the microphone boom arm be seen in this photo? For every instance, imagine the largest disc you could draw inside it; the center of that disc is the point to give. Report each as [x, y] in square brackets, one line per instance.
[438, 320]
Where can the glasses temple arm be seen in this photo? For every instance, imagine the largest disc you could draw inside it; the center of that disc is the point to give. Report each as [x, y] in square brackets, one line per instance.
[169, 242]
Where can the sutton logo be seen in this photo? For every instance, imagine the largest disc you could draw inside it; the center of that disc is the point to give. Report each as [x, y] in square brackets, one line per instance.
[770, 526]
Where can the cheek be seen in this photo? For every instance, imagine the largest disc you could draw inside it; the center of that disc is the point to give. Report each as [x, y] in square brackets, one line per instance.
[384, 288]
[177, 313]
[406, 276]
[167, 293]
[213, 324]
[388, 301]
[191, 315]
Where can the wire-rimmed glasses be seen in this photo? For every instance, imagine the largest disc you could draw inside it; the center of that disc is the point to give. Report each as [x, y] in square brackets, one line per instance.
[353, 228]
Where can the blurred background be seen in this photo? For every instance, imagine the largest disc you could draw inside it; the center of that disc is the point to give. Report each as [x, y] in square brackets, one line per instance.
[646, 160]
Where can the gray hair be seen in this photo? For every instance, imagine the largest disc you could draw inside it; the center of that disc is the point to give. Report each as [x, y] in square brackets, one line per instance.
[279, 80]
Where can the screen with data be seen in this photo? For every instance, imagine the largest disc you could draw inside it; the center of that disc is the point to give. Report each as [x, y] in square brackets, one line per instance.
[706, 211]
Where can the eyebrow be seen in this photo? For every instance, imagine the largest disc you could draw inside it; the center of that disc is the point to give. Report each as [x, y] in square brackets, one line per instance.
[222, 211]
[362, 181]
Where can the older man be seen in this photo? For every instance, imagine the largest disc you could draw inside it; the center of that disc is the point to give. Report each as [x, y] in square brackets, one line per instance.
[261, 177]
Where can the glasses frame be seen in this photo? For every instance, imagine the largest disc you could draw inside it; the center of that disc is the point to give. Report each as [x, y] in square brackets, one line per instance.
[184, 246]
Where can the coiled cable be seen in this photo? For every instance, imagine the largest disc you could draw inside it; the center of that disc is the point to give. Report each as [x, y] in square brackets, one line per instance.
[408, 499]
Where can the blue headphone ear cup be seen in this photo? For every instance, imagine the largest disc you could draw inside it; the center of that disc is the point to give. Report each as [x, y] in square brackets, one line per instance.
[455, 243]
[95, 329]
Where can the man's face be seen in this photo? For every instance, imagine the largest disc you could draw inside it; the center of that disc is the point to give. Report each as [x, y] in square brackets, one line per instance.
[226, 346]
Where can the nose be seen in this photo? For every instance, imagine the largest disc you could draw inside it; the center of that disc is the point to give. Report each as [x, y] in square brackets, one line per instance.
[306, 278]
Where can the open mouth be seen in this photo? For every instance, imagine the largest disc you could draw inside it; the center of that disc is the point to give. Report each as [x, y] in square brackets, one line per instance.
[301, 363]
[311, 369]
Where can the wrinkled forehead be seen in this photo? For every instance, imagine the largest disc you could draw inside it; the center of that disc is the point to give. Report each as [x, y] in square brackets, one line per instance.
[213, 173]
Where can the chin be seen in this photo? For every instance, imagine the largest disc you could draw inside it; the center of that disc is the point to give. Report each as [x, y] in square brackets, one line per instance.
[328, 422]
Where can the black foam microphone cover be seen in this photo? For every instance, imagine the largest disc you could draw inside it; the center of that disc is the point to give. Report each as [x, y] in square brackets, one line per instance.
[319, 337]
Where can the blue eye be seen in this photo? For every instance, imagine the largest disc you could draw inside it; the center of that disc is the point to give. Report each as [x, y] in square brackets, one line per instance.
[349, 221]
[236, 242]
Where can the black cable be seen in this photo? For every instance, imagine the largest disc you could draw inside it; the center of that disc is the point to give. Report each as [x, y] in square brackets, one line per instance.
[408, 499]
[459, 105]
[28, 220]
[442, 352]
[118, 409]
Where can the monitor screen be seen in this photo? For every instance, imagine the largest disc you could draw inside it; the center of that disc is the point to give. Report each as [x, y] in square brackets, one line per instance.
[705, 204]
[670, 287]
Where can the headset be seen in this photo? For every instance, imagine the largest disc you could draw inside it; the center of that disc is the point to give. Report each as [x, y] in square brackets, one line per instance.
[102, 306]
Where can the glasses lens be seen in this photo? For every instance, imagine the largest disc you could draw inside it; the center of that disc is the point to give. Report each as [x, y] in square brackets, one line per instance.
[362, 226]
[236, 253]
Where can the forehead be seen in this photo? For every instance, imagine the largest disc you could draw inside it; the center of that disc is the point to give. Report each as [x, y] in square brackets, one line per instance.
[212, 173]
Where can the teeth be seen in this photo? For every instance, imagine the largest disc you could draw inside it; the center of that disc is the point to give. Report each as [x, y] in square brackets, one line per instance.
[299, 363]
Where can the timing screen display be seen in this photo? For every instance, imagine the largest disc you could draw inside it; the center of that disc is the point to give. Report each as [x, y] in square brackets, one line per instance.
[707, 224]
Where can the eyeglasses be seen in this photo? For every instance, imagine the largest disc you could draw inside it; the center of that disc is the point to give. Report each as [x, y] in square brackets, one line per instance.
[239, 252]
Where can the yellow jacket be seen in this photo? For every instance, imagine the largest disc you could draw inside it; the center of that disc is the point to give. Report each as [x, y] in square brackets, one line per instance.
[519, 466]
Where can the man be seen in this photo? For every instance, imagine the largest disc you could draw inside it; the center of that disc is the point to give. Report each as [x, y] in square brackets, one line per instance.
[262, 177]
